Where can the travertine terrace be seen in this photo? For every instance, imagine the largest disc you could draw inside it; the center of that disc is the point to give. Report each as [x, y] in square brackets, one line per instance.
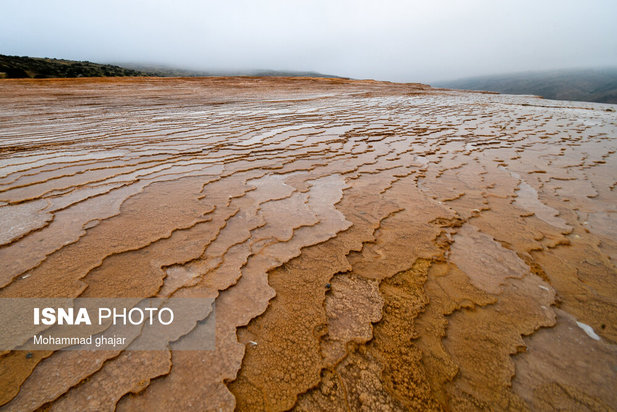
[371, 246]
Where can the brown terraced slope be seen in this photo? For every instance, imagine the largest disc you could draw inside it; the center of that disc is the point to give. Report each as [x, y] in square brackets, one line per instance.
[371, 246]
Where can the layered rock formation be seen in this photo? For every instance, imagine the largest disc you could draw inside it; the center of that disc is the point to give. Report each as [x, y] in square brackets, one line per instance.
[370, 246]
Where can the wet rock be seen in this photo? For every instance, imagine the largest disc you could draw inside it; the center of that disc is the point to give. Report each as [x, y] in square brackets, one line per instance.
[370, 246]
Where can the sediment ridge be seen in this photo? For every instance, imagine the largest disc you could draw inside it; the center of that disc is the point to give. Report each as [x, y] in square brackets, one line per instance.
[369, 245]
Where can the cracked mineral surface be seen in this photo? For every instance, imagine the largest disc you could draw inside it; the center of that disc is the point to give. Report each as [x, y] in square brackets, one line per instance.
[370, 246]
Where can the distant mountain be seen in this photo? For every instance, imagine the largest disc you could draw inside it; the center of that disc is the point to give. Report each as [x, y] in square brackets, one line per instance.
[12, 67]
[166, 71]
[34, 67]
[592, 85]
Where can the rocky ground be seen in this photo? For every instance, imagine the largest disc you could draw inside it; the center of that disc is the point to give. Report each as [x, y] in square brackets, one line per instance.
[371, 246]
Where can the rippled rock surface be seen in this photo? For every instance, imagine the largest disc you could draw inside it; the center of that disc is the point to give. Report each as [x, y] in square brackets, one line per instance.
[370, 246]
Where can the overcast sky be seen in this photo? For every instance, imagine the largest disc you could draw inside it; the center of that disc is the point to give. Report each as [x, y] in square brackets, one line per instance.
[423, 41]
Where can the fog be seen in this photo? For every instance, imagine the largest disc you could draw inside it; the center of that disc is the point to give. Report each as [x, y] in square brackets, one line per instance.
[409, 41]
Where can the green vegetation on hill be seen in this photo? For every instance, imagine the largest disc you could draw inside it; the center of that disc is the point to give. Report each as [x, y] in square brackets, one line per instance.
[14, 67]
[591, 85]
[31, 67]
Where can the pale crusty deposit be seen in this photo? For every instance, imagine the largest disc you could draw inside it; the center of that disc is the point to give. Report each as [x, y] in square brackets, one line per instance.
[370, 246]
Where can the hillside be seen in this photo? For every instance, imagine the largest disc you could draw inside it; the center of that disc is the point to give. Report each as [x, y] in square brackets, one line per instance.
[592, 85]
[34, 67]
[171, 71]
[15, 67]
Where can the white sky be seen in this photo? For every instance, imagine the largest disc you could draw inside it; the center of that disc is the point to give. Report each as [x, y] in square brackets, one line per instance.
[394, 40]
